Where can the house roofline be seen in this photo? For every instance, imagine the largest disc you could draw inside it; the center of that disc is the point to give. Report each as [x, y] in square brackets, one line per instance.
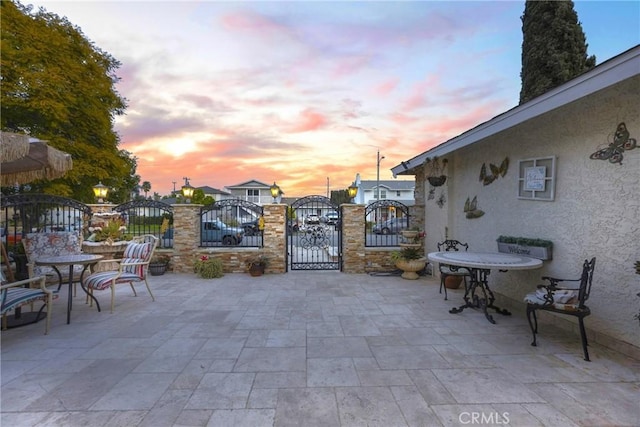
[613, 71]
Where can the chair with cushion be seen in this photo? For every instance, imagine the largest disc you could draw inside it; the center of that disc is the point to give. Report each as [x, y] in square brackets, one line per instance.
[17, 294]
[37, 245]
[448, 270]
[563, 296]
[131, 268]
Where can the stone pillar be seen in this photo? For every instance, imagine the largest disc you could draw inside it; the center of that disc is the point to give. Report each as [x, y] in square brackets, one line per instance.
[417, 211]
[186, 236]
[353, 244]
[274, 237]
[101, 207]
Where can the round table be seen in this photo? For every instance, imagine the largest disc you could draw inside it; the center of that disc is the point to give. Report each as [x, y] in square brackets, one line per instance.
[85, 260]
[479, 266]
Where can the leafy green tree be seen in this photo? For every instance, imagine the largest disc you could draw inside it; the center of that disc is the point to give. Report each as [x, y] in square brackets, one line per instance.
[554, 48]
[339, 197]
[58, 86]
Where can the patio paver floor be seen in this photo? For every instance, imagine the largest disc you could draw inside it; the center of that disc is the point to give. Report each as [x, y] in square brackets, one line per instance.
[304, 349]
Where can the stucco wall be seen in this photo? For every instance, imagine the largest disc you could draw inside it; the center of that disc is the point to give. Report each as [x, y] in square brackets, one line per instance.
[596, 209]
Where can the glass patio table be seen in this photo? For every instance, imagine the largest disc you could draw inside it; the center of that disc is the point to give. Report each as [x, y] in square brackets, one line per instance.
[479, 265]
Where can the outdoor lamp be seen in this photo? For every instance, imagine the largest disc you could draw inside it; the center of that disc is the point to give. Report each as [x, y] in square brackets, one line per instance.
[275, 191]
[353, 191]
[187, 192]
[100, 191]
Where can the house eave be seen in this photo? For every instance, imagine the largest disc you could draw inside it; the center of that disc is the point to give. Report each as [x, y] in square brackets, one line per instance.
[611, 72]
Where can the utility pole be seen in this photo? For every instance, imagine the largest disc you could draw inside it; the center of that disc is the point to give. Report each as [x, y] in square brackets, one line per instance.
[378, 178]
[327, 187]
[174, 186]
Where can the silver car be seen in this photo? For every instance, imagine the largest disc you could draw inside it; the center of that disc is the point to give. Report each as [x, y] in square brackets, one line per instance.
[391, 226]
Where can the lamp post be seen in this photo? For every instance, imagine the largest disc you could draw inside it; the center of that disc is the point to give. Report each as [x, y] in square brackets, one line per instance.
[187, 191]
[353, 191]
[275, 191]
[100, 191]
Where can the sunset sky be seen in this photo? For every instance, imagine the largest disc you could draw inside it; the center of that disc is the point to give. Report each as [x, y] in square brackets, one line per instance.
[298, 92]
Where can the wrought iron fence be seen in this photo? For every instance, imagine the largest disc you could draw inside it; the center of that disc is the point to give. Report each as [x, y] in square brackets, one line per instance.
[231, 222]
[384, 220]
[148, 217]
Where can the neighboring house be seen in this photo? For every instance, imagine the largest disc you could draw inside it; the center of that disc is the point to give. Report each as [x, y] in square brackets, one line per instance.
[253, 191]
[580, 137]
[398, 190]
[217, 195]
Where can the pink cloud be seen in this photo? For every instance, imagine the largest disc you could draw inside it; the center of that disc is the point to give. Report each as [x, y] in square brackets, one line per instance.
[309, 120]
[385, 88]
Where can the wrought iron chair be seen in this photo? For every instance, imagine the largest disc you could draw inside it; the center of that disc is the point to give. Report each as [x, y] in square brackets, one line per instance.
[563, 299]
[16, 294]
[448, 270]
[131, 268]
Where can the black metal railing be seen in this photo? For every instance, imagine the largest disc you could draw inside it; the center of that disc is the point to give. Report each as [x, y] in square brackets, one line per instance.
[231, 222]
[384, 220]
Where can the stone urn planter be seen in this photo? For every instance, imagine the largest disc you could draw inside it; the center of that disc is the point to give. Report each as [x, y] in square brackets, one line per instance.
[410, 267]
[107, 250]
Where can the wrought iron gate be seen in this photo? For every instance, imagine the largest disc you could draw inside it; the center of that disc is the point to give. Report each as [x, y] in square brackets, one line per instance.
[314, 234]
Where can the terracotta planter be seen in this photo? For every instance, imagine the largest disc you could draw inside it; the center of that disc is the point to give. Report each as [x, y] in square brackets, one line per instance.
[411, 267]
[452, 282]
[256, 270]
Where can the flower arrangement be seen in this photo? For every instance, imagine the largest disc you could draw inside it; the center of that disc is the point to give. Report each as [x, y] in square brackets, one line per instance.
[258, 260]
[208, 267]
[160, 259]
[110, 231]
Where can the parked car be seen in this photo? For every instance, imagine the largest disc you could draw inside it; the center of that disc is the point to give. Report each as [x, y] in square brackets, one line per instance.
[312, 219]
[251, 228]
[212, 231]
[331, 218]
[292, 225]
[391, 226]
[217, 231]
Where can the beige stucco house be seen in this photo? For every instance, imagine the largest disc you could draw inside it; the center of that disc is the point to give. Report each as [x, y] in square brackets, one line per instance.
[586, 204]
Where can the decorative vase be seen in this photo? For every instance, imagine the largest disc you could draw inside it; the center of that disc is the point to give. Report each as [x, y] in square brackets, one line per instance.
[157, 269]
[410, 267]
[256, 270]
[452, 282]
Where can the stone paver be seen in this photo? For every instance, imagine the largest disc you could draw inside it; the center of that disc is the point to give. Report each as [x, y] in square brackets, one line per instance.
[304, 349]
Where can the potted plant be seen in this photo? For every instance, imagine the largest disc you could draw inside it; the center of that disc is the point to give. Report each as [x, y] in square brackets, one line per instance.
[257, 264]
[534, 248]
[208, 267]
[158, 264]
[435, 171]
[410, 258]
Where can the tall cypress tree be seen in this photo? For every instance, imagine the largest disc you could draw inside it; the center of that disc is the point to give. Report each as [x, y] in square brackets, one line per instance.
[554, 48]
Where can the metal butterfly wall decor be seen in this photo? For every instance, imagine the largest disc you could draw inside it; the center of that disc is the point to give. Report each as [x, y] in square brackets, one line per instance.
[471, 208]
[621, 142]
[495, 171]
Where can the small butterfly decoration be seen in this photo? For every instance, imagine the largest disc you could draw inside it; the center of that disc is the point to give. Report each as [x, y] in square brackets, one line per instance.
[495, 171]
[471, 208]
[621, 142]
[442, 199]
[432, 193]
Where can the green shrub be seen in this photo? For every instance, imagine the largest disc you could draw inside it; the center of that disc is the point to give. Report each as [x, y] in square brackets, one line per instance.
[208, 268]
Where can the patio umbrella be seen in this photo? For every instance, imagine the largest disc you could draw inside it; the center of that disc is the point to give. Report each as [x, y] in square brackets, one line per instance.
[40, 161]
